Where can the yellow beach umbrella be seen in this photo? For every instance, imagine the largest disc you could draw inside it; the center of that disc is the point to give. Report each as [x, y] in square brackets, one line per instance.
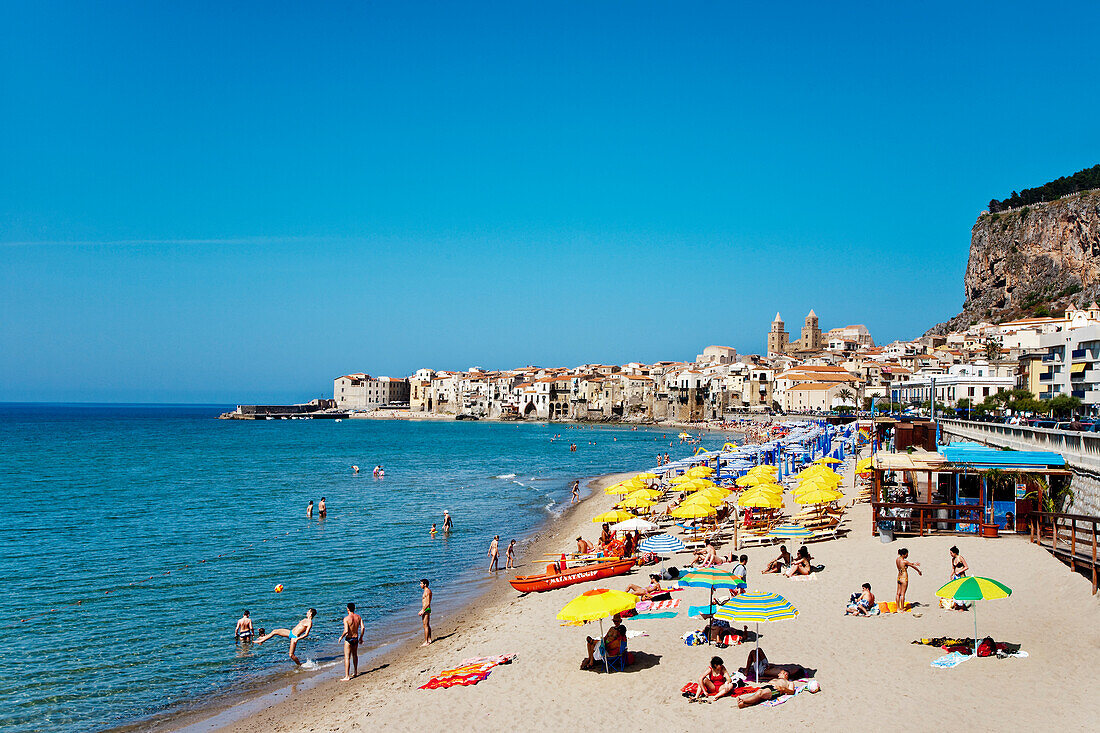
[693, 511]
[618, 489]
[613, 516]
[763, 468]
[760, 501]
[701, 499]
[645, 494]
[818, 496]
[777, 495]
[697, 484]
[635, 483]
[647, 476]
[636, 502]
[827, 459]
[703, 470]
[753, 479]
[598, 604]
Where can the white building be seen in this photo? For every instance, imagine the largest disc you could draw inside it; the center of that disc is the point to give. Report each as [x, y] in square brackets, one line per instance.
[974, 381]
[1071, 365]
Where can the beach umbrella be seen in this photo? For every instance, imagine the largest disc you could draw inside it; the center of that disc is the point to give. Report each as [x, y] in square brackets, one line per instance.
[765, 488]
[635, 483]
[612, 517]
[759, 501]
[599, 603]
[661, 544]
[696, 484]
[619, 489]
[646, 476]
[790, 531]
[703, 471]
[714, 493]
[827, 460]
[752, 479]
[711, 578]
[636, 502]
[757, 608]
[701, 500]
[818, 496]
[693, 511]
[645, 494]
[637, 523]
[974, 588]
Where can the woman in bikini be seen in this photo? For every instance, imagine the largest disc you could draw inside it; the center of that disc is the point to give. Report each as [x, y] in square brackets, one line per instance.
[903, 575]
[959, 567]
[716, 681]
[801, 566]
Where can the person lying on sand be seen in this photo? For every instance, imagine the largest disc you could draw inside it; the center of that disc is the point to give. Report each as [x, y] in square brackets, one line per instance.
[300, 631]
[650, 590]
[716, 681]
[778, 687]
[612, 644]
[862, 605]
[779, 564]
[801, 565]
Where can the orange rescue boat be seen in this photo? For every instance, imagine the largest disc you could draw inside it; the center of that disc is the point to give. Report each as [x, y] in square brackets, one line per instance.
[556, 578]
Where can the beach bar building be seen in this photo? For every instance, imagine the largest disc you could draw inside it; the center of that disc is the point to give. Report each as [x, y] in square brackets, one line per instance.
[963, 488]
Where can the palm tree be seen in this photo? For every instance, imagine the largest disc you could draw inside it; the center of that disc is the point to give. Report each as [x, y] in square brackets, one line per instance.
[846, 395]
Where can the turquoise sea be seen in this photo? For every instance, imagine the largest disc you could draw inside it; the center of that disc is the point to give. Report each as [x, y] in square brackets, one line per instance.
[136, 535]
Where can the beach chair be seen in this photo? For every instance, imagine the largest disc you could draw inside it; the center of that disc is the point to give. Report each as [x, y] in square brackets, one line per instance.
[616, 663]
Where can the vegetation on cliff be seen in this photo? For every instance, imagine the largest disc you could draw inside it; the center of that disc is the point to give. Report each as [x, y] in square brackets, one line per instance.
[1082, 180]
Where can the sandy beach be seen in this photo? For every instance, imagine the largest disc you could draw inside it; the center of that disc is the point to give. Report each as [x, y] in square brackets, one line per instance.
[870, 673]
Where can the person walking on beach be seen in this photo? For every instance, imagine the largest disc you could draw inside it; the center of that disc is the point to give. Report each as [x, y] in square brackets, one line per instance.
[510, 554]
[352, 636]
[309, 509]
[576, 491]
[494, 554]
[448, 525]
[300, 631]
[426, 611]
[322, 510]
[243, 632]
[903, 575]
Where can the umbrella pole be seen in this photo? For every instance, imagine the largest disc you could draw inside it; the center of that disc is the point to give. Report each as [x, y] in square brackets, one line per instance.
[975, 628]
[606, 666]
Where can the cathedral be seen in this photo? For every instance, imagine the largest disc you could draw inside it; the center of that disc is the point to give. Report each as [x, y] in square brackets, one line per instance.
[811, 341]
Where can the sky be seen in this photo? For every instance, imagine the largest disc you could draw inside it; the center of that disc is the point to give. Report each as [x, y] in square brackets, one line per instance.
[205, 203]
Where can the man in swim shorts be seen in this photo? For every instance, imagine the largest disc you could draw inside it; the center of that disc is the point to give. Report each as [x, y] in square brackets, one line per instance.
[778, 687]
[300, 631]
[352, 635]
[243, 632]
[426, 611]
[322, 510]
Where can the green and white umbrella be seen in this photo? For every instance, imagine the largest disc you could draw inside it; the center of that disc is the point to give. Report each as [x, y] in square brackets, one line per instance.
[974, 588]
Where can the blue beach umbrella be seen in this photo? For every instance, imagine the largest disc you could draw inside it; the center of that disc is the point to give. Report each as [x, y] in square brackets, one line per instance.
[661, 544]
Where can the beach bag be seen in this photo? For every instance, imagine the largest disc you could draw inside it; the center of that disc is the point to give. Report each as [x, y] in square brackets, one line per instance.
[987, 647]
[695, 638]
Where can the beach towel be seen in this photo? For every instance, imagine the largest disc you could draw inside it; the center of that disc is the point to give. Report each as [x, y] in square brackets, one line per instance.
[469, 672]
[783, 698]
[692, 688]
[811, 576]
[702, 610]
[660, 609]
[948, 661]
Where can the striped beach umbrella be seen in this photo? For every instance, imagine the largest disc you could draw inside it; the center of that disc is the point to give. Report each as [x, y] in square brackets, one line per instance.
[712, 578]
[758, 607]
[974, 588]
[662, 544]
[791, 531]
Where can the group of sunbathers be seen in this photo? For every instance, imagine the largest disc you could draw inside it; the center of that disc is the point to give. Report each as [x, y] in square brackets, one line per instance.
[718, 682]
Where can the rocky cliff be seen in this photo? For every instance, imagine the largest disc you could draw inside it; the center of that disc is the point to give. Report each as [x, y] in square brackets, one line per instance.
[1032, 261]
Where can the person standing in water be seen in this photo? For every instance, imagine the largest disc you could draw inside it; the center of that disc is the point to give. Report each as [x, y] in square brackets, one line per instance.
[243, 632]
[309, 509]
[426, 611]
[433, 530]
[448, 525]
[576, 491]
[510, 554]
[352, 636]
[322, 510]
[494, 554]
[300, 631]
[903, 575]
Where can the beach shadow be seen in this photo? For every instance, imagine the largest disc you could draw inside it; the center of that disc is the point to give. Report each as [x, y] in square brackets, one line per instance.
[437, 639]
[379, 668]
[642, 660]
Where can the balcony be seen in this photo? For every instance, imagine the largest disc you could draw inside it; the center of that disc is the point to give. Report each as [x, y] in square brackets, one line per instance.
[1048, 358]
[1079, 353]
[1046, 376]
[1078, 393]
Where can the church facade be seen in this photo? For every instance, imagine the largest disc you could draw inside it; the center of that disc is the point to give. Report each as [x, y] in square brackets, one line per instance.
[810, 341]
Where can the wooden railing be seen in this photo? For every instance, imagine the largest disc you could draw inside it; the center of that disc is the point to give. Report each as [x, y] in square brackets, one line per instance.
[1072, 538]
[924, 517]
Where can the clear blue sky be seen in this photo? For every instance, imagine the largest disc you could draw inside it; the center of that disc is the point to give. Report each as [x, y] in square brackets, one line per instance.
[204, 203]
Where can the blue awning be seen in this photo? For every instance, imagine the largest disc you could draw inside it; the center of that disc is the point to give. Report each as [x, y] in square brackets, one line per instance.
[984, 456]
